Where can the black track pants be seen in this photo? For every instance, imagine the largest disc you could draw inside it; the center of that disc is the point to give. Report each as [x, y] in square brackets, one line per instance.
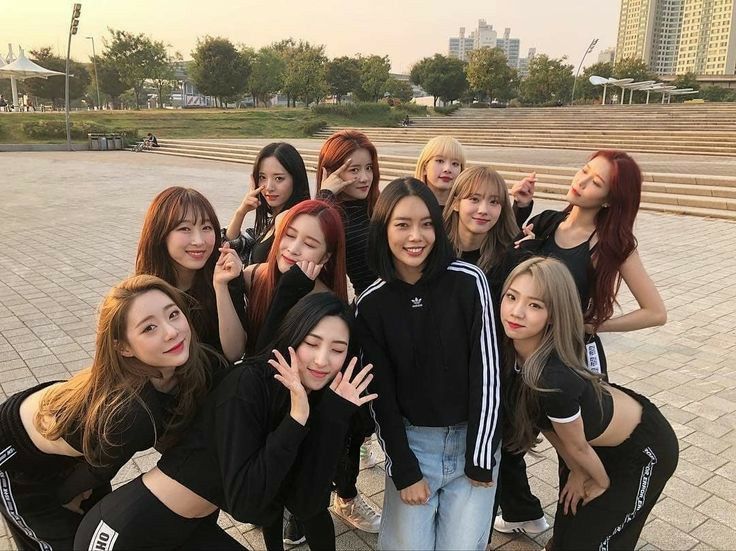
[131, 517]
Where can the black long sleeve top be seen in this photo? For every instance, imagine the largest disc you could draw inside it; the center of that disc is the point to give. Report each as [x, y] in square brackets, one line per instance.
[356, 221]
[247, 455]
[435, 356]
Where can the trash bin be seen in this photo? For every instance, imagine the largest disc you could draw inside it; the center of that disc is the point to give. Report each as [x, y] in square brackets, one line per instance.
[94, 142]
[103, 143]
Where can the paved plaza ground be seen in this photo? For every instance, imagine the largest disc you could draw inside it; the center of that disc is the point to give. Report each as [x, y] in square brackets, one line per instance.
[69, 227]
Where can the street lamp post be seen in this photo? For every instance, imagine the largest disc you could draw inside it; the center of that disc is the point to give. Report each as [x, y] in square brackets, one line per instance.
[76, 11]
[574, 82]
[94, 64]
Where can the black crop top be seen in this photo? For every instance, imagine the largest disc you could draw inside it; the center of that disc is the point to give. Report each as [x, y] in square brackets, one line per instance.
[571, 397]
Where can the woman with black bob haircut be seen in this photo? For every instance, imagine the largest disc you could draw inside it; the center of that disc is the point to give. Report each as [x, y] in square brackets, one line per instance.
[265, 439]
[427, 325]
[278, 182]
[380, 259]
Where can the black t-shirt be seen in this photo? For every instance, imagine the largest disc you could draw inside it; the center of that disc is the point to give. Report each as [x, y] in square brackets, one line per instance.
[570, 396]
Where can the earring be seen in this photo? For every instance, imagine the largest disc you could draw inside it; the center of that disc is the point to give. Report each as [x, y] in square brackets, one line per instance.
[604, 205]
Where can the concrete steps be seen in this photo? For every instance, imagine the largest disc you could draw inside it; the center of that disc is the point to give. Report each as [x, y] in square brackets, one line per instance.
[698, 195]
[702, 129]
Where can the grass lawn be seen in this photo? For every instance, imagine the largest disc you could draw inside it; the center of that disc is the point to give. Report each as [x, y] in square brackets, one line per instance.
[275, 122]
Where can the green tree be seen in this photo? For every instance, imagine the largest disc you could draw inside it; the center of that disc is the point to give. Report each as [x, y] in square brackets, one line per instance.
[584, 89]
[549, 81]
[715, 93]
[267, 75]
[163, 76]
[374, 74]
[399, 89]
[343, 76]
[488, 72]
[305, 73]
[440, 76]
[136, 58]
[218, 69]
[52, 88]
[631, 67]
[111, 82]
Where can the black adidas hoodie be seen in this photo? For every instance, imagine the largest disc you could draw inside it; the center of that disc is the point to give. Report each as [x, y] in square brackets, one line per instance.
[435, 356]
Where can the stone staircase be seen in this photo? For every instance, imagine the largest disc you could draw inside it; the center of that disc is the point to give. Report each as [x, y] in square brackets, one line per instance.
[699, 195]
[702, 129]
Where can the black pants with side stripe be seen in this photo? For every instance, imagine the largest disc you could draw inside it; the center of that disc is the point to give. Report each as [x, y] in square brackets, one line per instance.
[132, 517]
[638, 469]
[33, 515]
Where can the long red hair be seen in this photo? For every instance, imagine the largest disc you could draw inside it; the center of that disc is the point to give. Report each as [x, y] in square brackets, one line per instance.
[332, 275]
[615, 230]
[338, 148]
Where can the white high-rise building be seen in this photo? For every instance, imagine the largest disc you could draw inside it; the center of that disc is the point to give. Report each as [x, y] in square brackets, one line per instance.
[607, 56]
[510, 47]
[484, 36]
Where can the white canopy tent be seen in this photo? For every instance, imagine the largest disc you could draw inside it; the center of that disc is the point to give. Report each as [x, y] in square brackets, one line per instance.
[22, 69]
[641, 85]
[595, 80]
[647, 86]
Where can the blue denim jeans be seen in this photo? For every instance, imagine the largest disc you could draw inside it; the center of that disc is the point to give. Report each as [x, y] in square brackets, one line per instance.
[457, 515]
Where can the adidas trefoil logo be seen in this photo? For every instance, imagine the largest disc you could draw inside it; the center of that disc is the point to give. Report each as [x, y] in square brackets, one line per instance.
[416, 302]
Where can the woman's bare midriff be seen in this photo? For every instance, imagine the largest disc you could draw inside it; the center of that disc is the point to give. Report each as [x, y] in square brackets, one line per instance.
[177, 497]
[626, 416]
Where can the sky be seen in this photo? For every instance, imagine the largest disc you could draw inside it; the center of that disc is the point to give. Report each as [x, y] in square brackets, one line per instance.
[405, 30]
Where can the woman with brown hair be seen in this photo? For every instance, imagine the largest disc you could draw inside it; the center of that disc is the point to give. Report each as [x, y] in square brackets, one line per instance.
[62, 442]
[178, 243]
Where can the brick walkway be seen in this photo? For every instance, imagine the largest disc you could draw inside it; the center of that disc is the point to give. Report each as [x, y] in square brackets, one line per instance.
[70, 224]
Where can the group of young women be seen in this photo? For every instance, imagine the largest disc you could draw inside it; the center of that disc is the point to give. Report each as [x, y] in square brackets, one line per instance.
[236, 355]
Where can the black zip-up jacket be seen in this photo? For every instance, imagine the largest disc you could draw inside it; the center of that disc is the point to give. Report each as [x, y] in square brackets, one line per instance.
[247, 455]
[435, 356]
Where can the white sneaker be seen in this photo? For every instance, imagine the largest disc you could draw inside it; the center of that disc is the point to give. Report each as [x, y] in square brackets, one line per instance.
[358, 513]
[536, 526]
[368, 459]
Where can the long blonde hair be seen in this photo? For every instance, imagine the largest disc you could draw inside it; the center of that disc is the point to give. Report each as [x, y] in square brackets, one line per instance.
[95, 401]
[479, 179]
[439, 146]
[563, 336]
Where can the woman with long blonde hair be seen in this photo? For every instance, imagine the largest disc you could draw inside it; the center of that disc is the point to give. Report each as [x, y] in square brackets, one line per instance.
[62, 442]
[617, 450]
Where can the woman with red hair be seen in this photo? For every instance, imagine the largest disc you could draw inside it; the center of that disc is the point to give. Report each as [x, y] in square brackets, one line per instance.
[308, 255]
[347, 174]
[594, 237]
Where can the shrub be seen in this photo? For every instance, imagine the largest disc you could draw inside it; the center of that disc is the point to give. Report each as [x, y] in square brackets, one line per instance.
[44, 129]
[412, 109]
[351, 110]
[480, 105]
[310, 128]
[448, 110]
[79, 130]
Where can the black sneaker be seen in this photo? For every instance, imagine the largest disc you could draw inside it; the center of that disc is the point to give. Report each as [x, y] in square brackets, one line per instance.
[293, 533]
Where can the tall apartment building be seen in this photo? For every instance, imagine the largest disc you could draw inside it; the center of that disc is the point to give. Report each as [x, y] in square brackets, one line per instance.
[677, 36]
[461, 45]
[484, 36]
[523, 67]
[510, 47]
[708, 37]
[607, 56]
